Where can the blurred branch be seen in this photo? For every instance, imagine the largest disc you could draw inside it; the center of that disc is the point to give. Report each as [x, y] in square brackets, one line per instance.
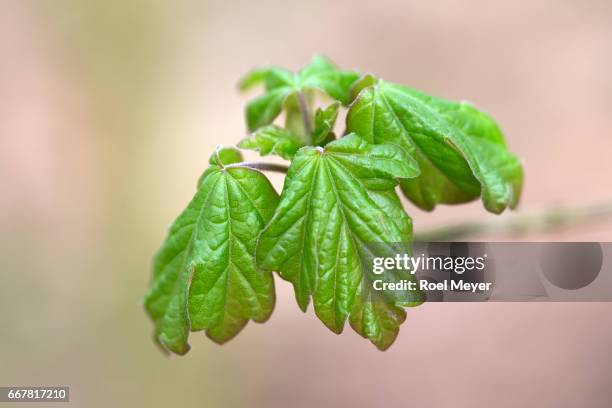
[544, 221]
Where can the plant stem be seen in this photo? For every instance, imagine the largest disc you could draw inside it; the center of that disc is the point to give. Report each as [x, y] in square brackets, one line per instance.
[304, 111]
[544, 221]
[279, 168]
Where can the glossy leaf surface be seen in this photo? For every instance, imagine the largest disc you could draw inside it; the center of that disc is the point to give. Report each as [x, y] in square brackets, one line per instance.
[461, 151]
[204, 276]
[335, 202]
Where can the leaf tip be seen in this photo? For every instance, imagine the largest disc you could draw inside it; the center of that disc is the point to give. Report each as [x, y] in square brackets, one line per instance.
[169, 347]
[365, 81]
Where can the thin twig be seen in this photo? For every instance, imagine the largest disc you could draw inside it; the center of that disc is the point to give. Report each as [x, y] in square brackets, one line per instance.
[279, 168]
[544, 221]
[305, 113]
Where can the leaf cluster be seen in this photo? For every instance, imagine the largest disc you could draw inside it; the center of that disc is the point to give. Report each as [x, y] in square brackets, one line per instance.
[215, 270]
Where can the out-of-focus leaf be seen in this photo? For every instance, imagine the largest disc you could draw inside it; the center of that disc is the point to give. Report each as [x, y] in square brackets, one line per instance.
[322, 74]
[262, 110]
[324, 122]
[272, 139]
[280, 84]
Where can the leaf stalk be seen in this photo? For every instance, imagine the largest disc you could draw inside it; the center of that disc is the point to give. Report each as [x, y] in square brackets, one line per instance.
[278, 168]
[305, 112]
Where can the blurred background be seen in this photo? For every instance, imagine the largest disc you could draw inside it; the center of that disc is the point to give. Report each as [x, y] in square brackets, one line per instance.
[109, 111]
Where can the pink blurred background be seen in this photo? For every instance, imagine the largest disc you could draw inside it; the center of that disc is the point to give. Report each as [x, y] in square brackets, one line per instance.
[109, 111]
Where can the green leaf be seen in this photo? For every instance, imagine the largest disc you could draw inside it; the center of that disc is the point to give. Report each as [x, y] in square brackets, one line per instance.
[323, 75]
[263, 110]
[325, 119]
[225, 155]
[204, 275]
[327, 216]
[460, 150]
[272, 77]
[272, 139]
[376, 166]
[280, 84]
[377, 320]
[222, 156]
